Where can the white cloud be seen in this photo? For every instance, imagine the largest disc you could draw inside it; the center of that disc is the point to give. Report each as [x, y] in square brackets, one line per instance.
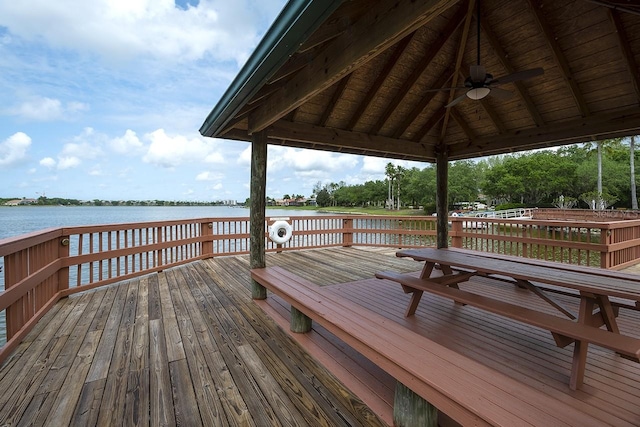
[209, 176]
[171, 151]
[68, 162]
[14, 148]
[96, 170]
[48, 162]
[47, 109]
[306, 161]
[83, 150]
[129, 143]
[154, 28]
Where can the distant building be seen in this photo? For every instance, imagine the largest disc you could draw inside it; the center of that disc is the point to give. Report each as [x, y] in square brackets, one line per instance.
[21, 202]
[300, 201]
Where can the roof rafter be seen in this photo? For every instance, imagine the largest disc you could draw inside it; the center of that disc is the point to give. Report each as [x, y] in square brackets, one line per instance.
[378, 82]
[463, 125]
[422, 104]
[391, 19]
[585, 129]
[337, 94]
[336, 27]
[430, 124]
[355, 140]
[459, 57]
[502, 57]
[559, 57]
[436, 46]
[629, 59]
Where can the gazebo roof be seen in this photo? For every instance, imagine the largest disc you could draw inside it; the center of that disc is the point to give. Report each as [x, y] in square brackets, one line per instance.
[359, 77]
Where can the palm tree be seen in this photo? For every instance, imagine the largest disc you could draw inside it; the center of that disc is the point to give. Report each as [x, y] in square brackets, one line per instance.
[390, 171]
[399, 175]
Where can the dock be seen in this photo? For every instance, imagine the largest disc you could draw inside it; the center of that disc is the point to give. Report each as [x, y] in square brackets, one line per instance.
[188, 346]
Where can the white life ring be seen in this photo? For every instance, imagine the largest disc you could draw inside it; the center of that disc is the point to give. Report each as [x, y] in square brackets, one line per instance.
[280, 232]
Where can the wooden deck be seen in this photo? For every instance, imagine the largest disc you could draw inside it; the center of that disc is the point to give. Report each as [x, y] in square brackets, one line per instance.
[188, 347]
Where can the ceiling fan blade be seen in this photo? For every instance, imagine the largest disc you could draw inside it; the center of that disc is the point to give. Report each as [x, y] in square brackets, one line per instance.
[456, 100]
[498, 93]
[445, 88]
[519, 75]
[477, 73]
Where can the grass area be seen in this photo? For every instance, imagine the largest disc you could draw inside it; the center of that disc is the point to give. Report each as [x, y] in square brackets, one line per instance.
[354, 210]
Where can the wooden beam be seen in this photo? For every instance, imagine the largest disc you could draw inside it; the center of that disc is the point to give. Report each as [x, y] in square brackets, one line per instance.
[462, 47]
[442, 197]
[347, 15]
[337, 138]
[337, 94]
[559, 57]
[377, 83]
[420, 67]
[496, 46]
[430, 124]
[593, 128]
[629, 58]
[463, 125]
[257, 213]
[385, 24]
[295, 63]
[422, 104]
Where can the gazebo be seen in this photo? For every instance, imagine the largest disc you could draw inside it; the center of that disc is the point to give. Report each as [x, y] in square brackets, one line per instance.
[434, 81]
[372, 78]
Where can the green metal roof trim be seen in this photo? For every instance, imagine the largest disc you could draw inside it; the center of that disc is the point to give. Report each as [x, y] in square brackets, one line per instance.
[296, 22]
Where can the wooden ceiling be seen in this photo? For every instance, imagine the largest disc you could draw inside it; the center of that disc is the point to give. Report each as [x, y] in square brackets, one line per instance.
[362, 81]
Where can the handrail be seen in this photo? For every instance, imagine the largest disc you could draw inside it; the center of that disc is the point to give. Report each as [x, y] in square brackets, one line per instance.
[42, 267]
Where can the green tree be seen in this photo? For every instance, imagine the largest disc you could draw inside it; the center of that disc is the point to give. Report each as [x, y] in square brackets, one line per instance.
[632, 167]
[464, 179]
[323, 198]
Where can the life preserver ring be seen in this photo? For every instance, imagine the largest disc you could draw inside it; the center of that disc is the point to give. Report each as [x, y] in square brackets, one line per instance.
[280, 232]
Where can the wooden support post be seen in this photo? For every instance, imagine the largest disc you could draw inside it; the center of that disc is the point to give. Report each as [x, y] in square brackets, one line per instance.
[581, 347]
[63, 273]
[411, 410]
[206, 246]
[257, 213]
[347, 234]
[300, 322]
[442, 197]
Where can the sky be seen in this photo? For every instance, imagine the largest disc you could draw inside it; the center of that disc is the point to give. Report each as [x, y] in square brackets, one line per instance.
[103, 99]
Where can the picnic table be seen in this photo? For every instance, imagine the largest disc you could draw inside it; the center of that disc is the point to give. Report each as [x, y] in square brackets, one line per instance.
[594, 289]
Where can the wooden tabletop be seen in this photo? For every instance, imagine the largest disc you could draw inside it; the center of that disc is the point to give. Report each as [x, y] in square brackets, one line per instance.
[579, 280]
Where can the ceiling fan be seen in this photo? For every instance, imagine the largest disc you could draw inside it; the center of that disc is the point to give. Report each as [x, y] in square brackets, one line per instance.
[480, 84]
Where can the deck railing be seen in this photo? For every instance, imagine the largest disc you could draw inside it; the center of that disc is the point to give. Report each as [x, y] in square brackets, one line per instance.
[38, 269]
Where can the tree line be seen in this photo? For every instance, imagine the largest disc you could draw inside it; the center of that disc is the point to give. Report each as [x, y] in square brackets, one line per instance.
[592, 175]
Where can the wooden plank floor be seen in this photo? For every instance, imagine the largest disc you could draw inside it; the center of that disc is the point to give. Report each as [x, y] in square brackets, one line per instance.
[611, 391]
[189, 347]
[183, 347]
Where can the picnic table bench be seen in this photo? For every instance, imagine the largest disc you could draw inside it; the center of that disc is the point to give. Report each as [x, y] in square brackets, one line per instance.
[464, 389]
[595, 290]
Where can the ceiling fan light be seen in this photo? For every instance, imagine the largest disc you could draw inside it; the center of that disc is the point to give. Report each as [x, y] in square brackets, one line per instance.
[478, 93]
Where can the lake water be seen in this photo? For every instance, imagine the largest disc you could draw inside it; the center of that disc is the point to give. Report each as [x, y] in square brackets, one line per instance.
[17, 220]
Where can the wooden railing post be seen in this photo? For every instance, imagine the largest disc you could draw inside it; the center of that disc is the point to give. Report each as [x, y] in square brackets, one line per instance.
[456, 232]
[606, 256]
[15, 269]
[206, 246]
[63, 273]
[347, 234]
